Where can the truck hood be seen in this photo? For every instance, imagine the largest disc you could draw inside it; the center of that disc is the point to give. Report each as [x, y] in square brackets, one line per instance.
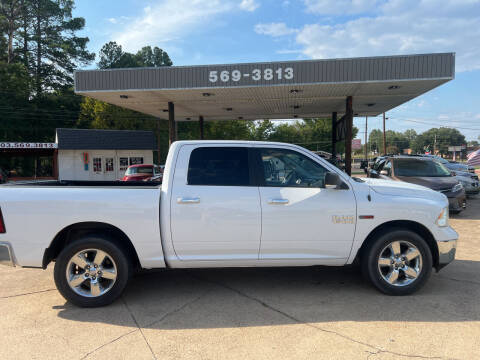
[400, 188]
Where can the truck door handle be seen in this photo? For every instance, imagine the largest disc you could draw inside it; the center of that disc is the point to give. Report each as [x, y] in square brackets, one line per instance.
[184, 200]
[278, 201]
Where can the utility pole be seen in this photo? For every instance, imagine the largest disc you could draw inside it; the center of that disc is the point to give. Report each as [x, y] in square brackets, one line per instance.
[435, 145]
[384, 137]
[366, 137]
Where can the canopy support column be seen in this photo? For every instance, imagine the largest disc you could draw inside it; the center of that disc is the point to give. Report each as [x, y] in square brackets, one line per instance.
[334, 135]
[348, 135]
[200, 124]
[171, 123]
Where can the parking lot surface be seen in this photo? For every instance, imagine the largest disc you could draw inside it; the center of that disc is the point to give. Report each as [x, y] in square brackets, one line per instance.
[300, 313]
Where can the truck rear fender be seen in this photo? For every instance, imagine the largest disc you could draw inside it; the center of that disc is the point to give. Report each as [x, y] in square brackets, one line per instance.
[74, 231]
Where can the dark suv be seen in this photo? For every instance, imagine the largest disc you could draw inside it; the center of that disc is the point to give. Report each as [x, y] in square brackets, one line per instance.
[422, 171]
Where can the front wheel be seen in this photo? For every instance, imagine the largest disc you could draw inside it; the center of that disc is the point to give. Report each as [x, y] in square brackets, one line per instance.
[92, 271]
[397, 263]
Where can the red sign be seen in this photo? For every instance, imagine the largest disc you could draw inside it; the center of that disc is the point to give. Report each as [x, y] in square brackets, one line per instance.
[356, 144]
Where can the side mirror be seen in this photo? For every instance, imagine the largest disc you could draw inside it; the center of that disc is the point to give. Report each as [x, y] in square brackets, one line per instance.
[384, 172]
[332, 180]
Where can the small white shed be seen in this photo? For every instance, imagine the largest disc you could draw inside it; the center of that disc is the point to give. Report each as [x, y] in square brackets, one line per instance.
[101, 155]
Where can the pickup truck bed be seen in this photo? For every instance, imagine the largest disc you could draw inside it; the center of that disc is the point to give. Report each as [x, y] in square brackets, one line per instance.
[77, 183]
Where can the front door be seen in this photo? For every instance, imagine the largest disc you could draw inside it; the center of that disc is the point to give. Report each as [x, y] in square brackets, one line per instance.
[103, 168]
[301, 218]
[215, 209]
[98, 167]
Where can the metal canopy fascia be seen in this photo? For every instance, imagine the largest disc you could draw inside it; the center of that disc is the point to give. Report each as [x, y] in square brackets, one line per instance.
[275, 90]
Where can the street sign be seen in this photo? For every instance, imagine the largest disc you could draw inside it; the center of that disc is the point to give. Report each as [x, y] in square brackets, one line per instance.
[20, 145]
[356, 144]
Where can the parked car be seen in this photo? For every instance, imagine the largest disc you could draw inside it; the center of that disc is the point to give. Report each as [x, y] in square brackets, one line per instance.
[426, 172]
[452, 165]
[219, 207]
[3, 176]
[468, 180]
[143, 173]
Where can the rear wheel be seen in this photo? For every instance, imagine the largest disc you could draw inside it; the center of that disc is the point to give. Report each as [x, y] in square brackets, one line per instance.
[92, 271]
[398, 263]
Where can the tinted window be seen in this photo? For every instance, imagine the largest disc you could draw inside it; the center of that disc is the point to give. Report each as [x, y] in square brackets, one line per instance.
[388, 167]
[221, 166]
[139, 170]
[427, 168]
[286, 168]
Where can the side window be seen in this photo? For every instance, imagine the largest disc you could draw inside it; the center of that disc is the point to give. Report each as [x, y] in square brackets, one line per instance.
[220, 166]
[287, 168]
[388, 167]
[379, 165]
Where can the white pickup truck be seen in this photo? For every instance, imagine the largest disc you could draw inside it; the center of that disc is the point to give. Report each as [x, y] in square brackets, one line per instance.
[226, 204]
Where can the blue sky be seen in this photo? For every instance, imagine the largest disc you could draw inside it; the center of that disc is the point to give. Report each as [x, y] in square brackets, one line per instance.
[231, 31]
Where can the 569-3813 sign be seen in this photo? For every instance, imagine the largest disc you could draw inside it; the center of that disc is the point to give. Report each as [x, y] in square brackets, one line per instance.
[256, 75]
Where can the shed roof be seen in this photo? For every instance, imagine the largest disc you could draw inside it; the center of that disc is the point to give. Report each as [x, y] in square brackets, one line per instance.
[90, 139]
[274, 90]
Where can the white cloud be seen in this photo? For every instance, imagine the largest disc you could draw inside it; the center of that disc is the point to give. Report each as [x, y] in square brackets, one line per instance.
[249, 5]
[169, 20]
[394, 27]
[119, 20]
[274, 29]
[340, 7]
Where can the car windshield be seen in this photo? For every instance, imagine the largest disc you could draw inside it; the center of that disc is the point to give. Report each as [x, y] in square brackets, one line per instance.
[140, 170]
[441, 160]
[425, 168]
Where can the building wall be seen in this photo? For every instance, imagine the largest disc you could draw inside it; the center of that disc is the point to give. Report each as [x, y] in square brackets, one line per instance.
[71, 164]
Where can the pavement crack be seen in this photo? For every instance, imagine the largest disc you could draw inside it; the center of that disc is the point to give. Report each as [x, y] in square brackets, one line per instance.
[174, 311]
[180, 308]
[108, 343]
[139, 327]
[376, 350]
[25, 294]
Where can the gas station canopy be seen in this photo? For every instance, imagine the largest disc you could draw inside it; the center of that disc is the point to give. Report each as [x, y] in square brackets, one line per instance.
[274, 90]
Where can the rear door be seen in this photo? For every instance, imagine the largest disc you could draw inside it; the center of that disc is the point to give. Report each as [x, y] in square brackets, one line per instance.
[215, 206]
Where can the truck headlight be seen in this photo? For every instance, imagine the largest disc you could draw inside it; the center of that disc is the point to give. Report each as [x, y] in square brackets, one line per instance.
[457, 187]
[442, 219]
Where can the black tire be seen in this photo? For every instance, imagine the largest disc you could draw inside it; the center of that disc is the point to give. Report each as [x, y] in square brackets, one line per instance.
[372, 252]
[103, 243]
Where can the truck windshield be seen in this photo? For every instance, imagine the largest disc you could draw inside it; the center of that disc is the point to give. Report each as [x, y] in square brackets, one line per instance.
[420, 168]
[139, 170]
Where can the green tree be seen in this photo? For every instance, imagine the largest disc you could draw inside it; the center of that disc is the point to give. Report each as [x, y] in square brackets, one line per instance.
[112, 56]
[438, 140]
[10, 11]
[58, 51]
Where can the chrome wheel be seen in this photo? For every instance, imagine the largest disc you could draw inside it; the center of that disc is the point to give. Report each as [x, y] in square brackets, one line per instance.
[400, 263]
[91, 273]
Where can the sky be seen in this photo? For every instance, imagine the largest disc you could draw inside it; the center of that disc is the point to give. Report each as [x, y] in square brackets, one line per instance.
[196, 32]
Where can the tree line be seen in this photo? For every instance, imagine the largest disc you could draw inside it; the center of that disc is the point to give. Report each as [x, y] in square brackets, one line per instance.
[435, 140]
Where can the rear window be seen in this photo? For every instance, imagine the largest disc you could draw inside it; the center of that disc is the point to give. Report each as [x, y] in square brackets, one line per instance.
[140, 170]
[220, 166]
